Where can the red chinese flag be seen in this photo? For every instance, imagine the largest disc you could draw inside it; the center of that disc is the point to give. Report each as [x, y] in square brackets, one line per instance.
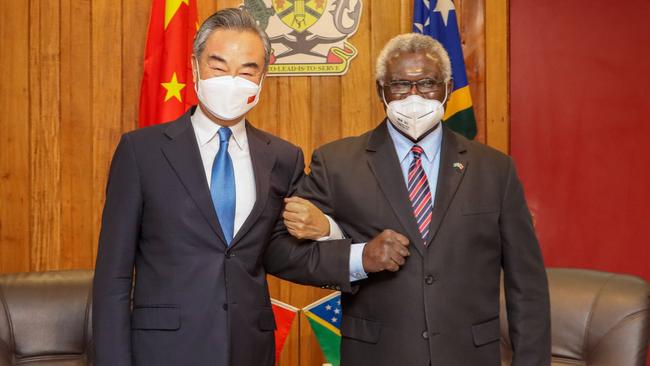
[284, 315]
[167, 89]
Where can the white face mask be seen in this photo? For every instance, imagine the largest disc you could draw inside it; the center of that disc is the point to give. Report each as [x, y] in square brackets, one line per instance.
[415, 115]
[227, 97]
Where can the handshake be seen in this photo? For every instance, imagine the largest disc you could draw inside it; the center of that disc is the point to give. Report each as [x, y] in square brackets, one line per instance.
[386, 251]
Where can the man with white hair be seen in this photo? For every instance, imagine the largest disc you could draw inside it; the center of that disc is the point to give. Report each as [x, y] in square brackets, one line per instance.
[458, 203]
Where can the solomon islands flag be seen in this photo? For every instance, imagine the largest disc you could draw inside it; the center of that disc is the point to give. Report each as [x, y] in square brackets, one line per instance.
[437, 18]
[324, 316]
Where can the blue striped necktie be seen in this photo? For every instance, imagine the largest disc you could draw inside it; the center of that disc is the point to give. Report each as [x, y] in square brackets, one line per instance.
[222, 186]
[419, 193]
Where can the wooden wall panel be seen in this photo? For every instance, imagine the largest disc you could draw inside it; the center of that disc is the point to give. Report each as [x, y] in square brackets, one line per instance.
[472, 30]
[106, 94]
[134, 35]
[15, 177]
[77, 181]
[497, 97]
[74, 87]
[44, 84]
[356, 89]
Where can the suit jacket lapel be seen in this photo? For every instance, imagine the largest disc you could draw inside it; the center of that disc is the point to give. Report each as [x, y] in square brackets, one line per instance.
[453, 165]
[263, 159]
[384, 164]
[182, 153]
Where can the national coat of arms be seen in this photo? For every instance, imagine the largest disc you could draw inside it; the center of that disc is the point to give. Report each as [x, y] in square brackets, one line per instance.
[308, 37]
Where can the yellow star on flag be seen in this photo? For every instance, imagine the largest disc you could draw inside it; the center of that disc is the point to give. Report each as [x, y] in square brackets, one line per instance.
[173, 88]
[171, 7]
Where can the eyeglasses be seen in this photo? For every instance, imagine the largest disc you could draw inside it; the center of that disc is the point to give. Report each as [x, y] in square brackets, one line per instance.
[424, 86]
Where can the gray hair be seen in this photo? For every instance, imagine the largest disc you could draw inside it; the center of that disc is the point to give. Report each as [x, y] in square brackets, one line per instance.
[231, 19]
[410, 43]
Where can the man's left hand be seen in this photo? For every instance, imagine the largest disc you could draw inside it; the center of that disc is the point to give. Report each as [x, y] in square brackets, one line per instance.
[304, 220]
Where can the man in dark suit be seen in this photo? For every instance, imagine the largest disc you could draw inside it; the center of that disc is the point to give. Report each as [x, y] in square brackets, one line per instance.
[462, 208]
[191, 206]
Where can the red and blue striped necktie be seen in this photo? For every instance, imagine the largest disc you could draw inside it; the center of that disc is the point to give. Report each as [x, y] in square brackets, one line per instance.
[419, 193]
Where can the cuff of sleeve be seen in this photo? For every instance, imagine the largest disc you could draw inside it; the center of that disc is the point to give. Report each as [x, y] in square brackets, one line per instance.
[335, 231]
[356, 262]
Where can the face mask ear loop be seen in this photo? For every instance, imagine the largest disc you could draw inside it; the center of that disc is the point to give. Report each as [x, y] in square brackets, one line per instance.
[446, 94]
[262, 80]
[259, 87]
[383, 96]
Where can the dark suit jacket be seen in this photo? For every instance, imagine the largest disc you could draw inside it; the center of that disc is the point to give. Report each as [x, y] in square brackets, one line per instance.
[195, 300]
[442, 306]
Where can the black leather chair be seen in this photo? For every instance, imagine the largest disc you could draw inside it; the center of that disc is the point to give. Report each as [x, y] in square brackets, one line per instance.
[45, 319]
[597, 319]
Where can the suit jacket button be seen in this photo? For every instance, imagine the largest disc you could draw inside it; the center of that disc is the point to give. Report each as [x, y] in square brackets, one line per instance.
[425, 335]
[225, 307]
[429, 280]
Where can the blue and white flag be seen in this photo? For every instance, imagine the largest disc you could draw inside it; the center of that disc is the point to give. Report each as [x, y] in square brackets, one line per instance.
[437, 18]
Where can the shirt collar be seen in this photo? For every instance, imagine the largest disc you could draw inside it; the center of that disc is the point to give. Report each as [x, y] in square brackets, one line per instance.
[206, 130]
[430, 143]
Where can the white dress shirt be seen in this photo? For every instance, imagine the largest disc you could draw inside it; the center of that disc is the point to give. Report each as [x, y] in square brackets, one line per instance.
[208, 139]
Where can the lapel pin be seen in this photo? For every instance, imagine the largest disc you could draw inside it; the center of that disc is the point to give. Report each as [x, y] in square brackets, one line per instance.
[459, 166]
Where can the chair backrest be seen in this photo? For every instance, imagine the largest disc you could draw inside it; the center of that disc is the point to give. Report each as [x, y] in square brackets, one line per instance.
[597, 319]
[45, 318]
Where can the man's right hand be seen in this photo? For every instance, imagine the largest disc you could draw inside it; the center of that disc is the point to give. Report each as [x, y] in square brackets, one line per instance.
[386, 251]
